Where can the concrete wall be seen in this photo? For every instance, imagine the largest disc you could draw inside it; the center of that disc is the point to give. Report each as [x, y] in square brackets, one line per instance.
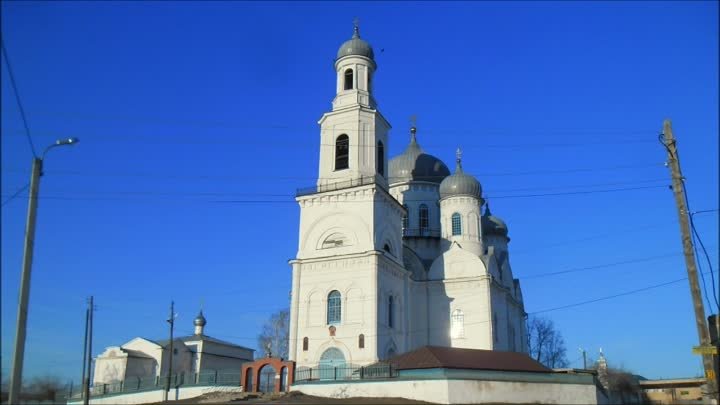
[456, 391]
[156, 395]
[110, 366]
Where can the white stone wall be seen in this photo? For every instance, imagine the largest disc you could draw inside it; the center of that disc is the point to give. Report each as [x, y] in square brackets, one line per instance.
[355, 277]
[458, 391]
[149, 348]
[139, 367]
[110, 366]
[153, 396]
[222, 357]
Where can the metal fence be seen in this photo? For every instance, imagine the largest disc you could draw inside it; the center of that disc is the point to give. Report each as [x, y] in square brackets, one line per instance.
[135, 384]
[345, 372]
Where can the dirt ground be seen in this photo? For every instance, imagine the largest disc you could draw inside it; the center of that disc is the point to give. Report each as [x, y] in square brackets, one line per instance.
[290, 398]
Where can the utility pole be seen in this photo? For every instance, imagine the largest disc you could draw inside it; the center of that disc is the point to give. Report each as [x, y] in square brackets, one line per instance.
[19, 354]
[29, 247]
[678, 188]
[84, 360]
[86, 383]
[171, 321]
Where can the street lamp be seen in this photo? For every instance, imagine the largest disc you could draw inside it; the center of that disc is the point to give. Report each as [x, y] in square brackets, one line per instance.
[19, 353]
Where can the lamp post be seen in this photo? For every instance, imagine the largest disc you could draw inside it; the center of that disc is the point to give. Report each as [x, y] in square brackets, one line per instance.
[19, 352]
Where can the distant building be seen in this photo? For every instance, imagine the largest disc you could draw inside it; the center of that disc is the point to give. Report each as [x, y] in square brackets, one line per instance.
[394, 254]
[142, 358]
[673, 391]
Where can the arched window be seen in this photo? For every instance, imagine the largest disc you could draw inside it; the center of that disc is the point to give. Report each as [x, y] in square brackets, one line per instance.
[456, 224]
[457, 324]
[391, 309]
[381, 158]
[405, 222]
[305, 344]
[333, 307]
[348, 79]
[361, 341]
[342, 152]
[387, 248]
[423, 217]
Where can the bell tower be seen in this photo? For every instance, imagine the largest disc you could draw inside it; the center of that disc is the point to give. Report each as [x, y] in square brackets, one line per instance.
[353, 135]
[350, 253]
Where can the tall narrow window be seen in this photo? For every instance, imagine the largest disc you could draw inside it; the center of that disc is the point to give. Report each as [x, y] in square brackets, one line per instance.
[342, 152]
[423, 218]
[405, 221]
[305, 344]
[495, 334]
[361, 341]
[381, 158]
[405, 218]
[333, 307]
[457, 324]
[391, 303]
[349, 79]
[456, 224]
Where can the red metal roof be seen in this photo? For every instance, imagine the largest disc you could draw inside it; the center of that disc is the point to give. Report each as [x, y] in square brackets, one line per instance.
[471, 359]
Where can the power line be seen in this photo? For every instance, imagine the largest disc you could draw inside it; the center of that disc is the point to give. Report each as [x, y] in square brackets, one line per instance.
[17, 98]
[290, 201]
[599, 266]
[226, 194]
[609, 296]
[15, 194]
[311, 178]
[306, 145]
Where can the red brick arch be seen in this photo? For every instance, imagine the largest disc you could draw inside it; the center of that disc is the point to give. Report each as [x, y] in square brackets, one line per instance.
[277, 363]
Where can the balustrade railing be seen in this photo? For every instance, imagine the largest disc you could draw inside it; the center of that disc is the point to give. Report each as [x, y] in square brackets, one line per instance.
[360, 181]
[421, 232]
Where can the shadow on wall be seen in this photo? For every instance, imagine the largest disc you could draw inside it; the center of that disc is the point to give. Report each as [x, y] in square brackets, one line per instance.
[439, 311]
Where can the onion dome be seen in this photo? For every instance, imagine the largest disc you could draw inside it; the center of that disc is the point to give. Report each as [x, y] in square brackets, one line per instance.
[492, 225]
[416, 165]
[200, 320]
[460, 184]
[356, 46]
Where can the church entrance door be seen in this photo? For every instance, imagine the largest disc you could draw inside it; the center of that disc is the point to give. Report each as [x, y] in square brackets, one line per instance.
[332, 364]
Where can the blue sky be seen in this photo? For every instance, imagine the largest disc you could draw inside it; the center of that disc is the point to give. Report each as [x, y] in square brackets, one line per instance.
[182, 107]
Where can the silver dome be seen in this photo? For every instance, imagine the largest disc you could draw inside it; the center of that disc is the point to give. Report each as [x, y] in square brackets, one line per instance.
[492, 225]
[416, 165]
[460, 183]
[200, 320]
[356, 46]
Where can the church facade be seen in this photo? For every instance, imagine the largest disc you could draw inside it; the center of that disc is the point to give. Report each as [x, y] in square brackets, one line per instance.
[394, 253]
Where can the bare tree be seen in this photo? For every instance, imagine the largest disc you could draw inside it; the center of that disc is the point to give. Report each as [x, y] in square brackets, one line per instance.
[275, 334]
[46, 386]
[546, 344]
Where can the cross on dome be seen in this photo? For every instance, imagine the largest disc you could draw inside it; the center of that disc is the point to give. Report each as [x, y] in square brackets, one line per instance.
[458, 159]
[356, 28]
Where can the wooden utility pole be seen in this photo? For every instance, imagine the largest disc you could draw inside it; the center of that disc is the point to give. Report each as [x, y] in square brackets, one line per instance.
[85, 347]
[171, 321]
[678, 188]
[86, 383]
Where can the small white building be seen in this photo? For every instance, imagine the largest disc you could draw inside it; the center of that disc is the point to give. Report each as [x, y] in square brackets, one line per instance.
[143, 358]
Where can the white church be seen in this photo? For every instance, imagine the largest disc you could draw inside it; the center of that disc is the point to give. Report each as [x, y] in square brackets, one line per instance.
[394, 254]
